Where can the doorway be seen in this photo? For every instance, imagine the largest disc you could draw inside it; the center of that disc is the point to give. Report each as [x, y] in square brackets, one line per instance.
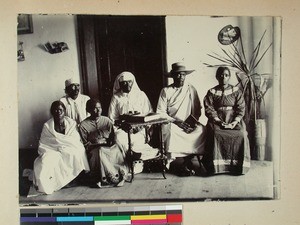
[110, 45]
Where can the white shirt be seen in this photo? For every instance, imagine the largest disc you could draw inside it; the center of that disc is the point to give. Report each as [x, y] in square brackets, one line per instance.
[122, 103]
[76, 109]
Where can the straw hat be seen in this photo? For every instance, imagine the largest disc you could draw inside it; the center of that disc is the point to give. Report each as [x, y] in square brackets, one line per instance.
[179, 67]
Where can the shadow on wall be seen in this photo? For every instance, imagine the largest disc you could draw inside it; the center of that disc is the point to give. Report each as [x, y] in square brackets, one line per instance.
[37, 126]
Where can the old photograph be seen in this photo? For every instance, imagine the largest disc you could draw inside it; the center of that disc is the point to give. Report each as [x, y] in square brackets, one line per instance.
[143, 108]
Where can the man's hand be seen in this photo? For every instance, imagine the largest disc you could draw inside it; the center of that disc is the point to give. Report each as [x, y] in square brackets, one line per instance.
[136, 129]
[100, 141]
[179, 123]
[186, 128]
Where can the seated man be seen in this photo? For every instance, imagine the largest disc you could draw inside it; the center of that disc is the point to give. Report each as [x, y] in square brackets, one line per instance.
[127, 97]
[106, 159]
[178, 102]
[74, 101]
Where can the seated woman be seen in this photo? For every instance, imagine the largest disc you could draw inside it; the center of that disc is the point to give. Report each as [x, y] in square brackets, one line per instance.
[227, 144]
[61, 154]
[106, 159]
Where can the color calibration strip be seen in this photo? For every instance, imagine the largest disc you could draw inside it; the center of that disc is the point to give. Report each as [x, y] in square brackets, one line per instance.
[145, 215]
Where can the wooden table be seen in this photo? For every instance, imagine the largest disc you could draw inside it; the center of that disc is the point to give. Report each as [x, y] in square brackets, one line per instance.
[128, 128]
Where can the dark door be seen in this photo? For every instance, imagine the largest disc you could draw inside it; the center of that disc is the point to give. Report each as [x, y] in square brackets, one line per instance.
[110, 45]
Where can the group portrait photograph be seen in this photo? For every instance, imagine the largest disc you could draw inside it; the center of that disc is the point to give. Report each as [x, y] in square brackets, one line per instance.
[148, 108]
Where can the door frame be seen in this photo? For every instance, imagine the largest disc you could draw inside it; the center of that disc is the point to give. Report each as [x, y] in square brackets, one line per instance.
[94, 55]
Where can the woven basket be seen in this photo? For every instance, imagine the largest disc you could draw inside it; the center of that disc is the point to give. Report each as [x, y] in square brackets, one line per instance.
[260, 138]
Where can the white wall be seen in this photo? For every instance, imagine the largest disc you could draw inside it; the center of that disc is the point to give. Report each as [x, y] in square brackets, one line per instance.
[190, 39]
[41, 76]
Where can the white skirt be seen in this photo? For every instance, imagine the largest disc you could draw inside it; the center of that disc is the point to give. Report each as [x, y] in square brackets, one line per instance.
[53, 169]
[180, 144]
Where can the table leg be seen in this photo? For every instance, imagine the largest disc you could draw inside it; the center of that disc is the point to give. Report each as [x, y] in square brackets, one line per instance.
[162, 152]
[130, 156]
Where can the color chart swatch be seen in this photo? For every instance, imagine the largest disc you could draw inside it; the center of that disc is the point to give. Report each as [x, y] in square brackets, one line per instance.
[146, 215]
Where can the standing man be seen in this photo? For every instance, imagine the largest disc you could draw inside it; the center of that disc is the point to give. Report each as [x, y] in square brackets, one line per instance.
[178, 102]
[75, 102]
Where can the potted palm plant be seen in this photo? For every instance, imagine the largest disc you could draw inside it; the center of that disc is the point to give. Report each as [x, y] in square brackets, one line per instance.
[254, 85]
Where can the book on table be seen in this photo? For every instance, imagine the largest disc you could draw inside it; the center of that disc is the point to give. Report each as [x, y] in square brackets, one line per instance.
[140, 118]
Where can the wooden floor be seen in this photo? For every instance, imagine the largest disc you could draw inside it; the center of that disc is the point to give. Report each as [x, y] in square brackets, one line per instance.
[146, 187]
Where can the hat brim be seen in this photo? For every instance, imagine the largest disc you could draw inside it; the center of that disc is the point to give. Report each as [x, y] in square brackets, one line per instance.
[171, 73]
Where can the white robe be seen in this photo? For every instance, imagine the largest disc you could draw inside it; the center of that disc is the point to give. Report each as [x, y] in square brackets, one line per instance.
[122, 103]
[61, 157]
[76, 109]
[178, 104]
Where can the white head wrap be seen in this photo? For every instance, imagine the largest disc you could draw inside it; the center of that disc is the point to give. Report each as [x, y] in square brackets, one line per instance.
[70, 81]
[125, 76]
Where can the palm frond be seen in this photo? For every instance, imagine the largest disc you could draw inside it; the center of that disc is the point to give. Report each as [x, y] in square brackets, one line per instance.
[243, 52]
[262, 56]
[238, 56]
[240, 81]
[228, 62]
[225, 63]
[253, 57]
[218, 65]
[256, 52]
[242, 58]
[265, 74]
[233, 60]
[220, 58]
[245, 86]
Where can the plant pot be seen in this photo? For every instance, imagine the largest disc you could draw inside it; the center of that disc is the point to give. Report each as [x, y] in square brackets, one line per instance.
[260, 138]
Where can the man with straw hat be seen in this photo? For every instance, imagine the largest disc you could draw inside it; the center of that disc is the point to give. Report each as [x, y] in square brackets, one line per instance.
[75, 102]
[184, 136]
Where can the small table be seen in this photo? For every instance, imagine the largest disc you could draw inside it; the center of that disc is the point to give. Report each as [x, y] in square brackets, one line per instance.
[128, 128]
